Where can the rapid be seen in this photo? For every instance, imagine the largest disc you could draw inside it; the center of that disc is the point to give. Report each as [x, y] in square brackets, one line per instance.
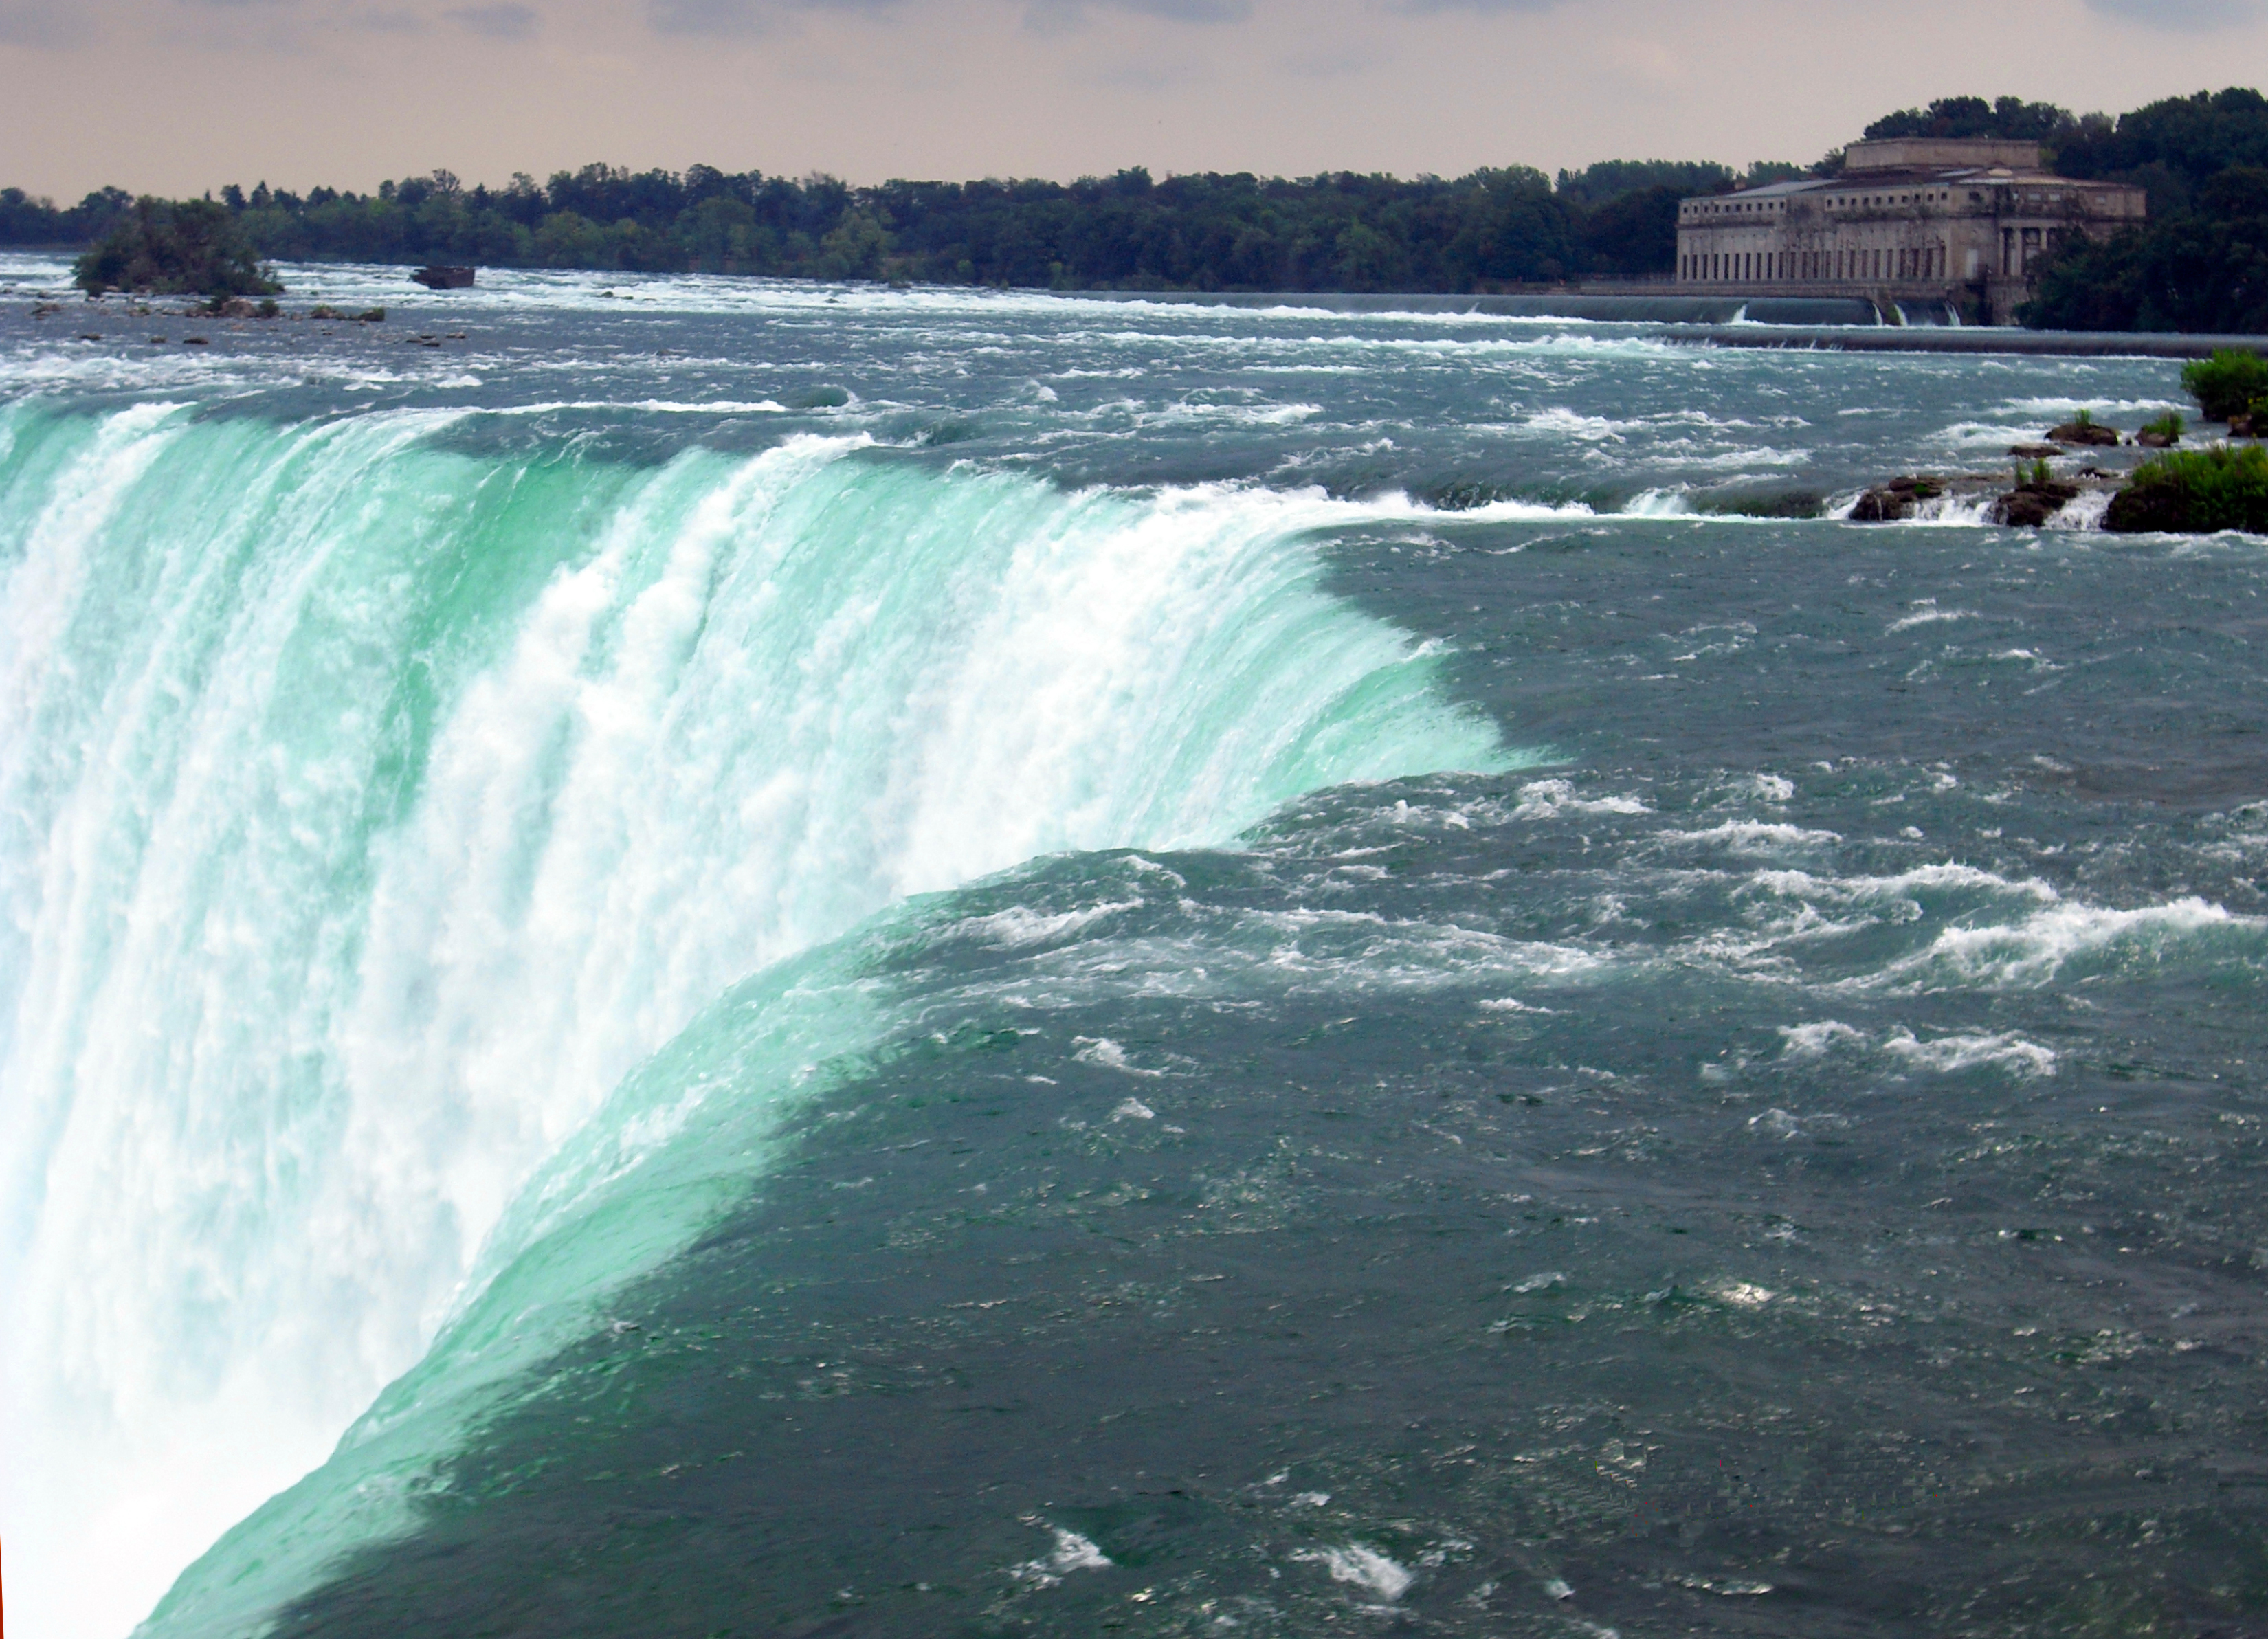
[689, 955]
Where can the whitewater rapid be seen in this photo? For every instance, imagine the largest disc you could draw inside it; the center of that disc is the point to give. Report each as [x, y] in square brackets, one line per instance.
[375, 806]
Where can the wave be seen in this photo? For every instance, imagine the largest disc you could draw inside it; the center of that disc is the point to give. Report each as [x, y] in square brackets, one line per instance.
[409, 859]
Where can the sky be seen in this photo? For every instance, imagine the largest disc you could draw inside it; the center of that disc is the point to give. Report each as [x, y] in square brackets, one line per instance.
[181, 96]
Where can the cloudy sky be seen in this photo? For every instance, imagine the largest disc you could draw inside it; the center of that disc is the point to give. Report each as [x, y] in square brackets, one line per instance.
[183, 95]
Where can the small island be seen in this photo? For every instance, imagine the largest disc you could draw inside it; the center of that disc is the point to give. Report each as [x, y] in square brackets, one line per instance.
[176, 247]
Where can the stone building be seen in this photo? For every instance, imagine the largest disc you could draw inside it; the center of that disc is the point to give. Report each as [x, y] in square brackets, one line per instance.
[1910, 220]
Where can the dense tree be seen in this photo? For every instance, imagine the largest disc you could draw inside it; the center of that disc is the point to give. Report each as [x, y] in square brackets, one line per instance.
[2201, 261]
[1208, 231]
[2007, 117]
[190, 246]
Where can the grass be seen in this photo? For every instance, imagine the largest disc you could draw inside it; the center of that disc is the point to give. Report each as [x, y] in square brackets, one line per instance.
[2227, 384]
[2196, 492]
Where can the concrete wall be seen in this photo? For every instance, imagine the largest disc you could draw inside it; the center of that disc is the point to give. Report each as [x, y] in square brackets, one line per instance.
[1931, 153]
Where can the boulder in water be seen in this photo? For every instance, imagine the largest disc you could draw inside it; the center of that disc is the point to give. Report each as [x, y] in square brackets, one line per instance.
[1886, 503]
[2083, 431]
[2028, 506]
[439, 277]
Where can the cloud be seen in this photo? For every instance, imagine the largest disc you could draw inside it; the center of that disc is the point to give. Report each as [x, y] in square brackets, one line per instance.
[730, 18]
[1182, 10]
[503, 21]
[1043, 16]
[1486, 8]
[36, 25]
[2191, 16]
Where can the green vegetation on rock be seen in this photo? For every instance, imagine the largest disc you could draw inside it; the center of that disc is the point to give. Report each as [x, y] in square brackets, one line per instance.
[2226, 385]
[2195, 492]
[191, 248]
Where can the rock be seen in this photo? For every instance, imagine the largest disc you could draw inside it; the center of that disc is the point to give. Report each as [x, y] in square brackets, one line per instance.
[2083, 432]
[2241, 427]
[2150, 440]
[2148, 508]
[237, 308]
[2036, 451]
[370, 316]
[1886, 503]
[2030, 505]
[46, 310]
[439, 277]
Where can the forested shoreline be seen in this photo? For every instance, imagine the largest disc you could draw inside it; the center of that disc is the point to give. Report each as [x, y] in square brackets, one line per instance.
[2200, 263]
[1127, 232]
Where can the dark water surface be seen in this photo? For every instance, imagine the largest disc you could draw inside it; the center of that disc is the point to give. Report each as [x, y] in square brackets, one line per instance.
[1531, 1049]
[1641, 1196]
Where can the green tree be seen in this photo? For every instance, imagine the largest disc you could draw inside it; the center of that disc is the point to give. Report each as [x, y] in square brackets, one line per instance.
[191, 247]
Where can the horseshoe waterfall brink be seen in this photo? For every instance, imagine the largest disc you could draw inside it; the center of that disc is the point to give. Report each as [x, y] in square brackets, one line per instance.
[373, 809]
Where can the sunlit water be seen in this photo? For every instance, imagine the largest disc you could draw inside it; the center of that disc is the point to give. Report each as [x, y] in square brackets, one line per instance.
[687, 956]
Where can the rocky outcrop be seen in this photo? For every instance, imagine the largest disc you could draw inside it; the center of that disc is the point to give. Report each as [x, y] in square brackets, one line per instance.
[1886, 503]
[2083, 432]
[443, 278]
[2148, 508]
[2028, 506]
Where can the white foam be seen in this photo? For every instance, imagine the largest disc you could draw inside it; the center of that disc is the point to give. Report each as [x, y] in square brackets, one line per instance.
[1947, 1054]
[1756, 835]
[1073, 1552]
[1926, 613]
[1020, 925]
[2035, 951]
[1103, 1051]
[1365, 1568]
[1551, 800]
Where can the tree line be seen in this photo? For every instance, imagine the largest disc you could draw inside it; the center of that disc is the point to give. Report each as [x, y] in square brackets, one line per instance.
[2199, 263]
[1210, 231]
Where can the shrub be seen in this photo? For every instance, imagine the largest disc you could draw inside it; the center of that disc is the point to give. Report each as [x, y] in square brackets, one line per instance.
[2167, 426]
[2195, 492]
[2227, 384]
